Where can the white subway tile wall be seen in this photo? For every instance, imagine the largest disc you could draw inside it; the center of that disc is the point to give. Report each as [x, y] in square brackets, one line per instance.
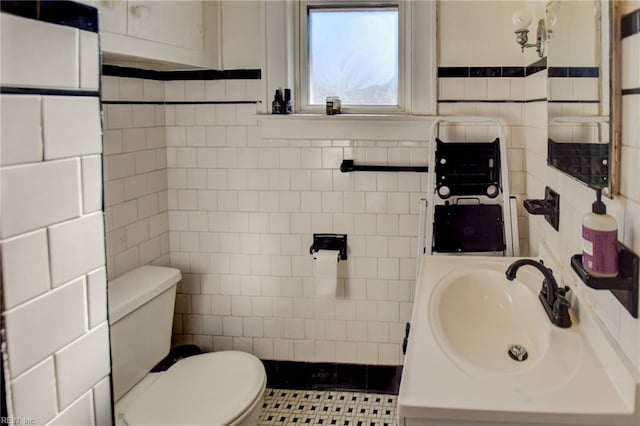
[77, 413]
[82, 364]
[20, 121]
[76, 247]
[46, 64]
[576, 199]
[89, 62]
[38, 194]
[240, 211]
[102, 402]
[135, 175]
[34, 393]
[52, 236]
[25, 260]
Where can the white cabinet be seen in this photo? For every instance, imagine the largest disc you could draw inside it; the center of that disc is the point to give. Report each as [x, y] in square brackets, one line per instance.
[164, 35]
[181, 34]
[176, 23]
[241, 34]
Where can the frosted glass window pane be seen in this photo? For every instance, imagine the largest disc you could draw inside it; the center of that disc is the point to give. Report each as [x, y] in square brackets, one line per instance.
[353, 54]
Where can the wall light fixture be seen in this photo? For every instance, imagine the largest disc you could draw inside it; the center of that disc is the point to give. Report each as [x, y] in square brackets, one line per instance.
[521, 20]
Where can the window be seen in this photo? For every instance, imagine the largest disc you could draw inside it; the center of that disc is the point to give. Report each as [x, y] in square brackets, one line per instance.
[352, 50]
[353, 53]
[379, 56]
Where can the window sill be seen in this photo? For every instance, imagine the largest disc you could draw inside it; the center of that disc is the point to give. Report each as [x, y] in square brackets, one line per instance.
[389, 127]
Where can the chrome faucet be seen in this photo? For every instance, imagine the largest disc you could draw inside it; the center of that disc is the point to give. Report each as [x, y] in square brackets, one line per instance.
[553, 298]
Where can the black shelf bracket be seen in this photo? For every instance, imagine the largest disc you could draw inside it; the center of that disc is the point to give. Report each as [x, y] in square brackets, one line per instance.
[549, 207]
[624, 287]
[348, 166]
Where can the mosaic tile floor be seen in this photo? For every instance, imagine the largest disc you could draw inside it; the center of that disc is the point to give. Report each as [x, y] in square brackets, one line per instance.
[293, 407]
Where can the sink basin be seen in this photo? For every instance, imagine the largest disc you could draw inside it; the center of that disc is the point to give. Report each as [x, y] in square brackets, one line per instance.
[480, 316]
[462, 367]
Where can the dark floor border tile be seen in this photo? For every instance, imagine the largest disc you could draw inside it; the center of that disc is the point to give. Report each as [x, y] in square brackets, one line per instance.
[60, 12]
[630, 24]
[176, 354]
[351, 377]
[117, 71]
[383, 379]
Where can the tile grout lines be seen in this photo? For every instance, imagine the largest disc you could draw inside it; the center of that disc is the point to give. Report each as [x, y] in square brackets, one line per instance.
[292, 407]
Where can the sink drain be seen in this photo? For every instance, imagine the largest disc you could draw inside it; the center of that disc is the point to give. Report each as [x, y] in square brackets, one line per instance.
[518, 353]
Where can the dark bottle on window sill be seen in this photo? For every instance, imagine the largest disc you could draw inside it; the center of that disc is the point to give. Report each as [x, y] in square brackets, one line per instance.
[278, 103]
[288, 104]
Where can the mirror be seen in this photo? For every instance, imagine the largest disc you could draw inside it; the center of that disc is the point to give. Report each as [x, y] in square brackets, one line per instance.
[579, 89]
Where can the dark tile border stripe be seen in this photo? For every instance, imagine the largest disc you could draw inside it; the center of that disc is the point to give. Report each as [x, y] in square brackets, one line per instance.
[484, 72]
[513, 71]
[466, 72]
[630, 24]
[635, 91]
[178, 102]
[574, 72]
[60, 12]
[116, 71]
[333, 376]
[453, 72]
[537, 66]
[490, 101]
[47, 92]
[568, 101]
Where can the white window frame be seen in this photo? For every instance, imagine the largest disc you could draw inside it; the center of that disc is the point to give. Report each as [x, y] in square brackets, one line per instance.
[417, 36]
[302, 56]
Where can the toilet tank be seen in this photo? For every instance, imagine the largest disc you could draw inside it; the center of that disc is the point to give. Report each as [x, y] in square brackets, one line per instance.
[141, 306]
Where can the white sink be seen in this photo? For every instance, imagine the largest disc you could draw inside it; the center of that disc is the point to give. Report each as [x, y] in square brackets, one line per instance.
[466, 317]
[477, 316]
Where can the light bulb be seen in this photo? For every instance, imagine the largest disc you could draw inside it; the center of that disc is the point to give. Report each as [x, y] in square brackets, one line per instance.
[521, 19]
[552, 13]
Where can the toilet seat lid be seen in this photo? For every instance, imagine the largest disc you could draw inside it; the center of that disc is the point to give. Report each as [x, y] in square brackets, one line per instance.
[213, 388]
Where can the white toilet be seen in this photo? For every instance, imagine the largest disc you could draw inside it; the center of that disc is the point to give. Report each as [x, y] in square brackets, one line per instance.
[218, 388]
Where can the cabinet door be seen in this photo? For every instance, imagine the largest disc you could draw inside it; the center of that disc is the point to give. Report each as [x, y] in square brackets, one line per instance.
[113, 14]
[241, 36]
[177, 23]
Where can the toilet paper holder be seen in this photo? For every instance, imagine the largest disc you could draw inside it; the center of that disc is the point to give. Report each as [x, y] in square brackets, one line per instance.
[330, 242]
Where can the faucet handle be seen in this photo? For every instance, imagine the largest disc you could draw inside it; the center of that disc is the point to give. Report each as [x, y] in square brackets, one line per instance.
[562, 299]
[563, 292]
[561, 308]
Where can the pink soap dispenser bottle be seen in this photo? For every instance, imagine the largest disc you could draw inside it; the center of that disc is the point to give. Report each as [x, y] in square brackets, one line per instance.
[600, 240]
